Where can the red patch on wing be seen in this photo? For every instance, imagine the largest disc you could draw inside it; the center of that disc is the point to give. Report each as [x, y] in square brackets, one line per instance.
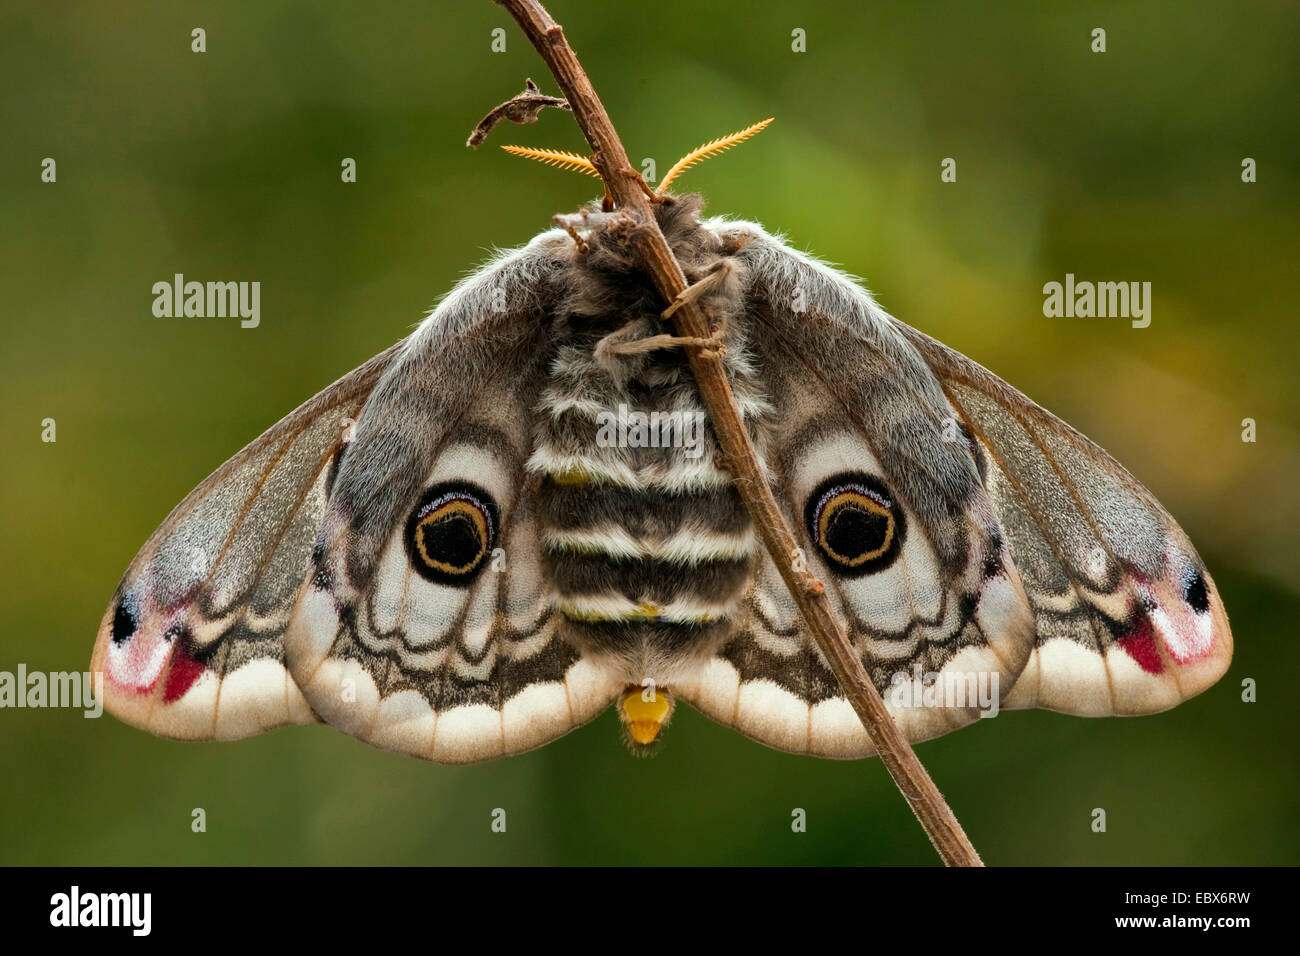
[1140, 644]
[184, 671]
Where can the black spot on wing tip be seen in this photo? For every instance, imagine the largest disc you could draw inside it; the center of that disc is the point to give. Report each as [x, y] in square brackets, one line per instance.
[125, 623]
[1196, 594]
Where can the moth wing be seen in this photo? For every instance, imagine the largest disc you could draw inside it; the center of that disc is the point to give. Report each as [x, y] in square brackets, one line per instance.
[1122, 616]
[1129, 620]
[190, 646]
[426, 628]
[942, 602]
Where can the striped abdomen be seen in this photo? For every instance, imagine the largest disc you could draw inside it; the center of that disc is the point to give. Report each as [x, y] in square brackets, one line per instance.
[647, 549]
[651, 576]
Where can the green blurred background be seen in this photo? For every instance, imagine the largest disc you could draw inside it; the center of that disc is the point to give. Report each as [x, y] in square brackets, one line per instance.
[225, 165]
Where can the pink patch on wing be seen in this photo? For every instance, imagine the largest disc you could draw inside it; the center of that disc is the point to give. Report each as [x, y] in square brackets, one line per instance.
[185, 670]
[136, 663]
[1186, 635]
[1140, 644]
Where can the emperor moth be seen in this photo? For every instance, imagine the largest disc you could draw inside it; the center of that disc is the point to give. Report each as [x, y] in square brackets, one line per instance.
[437, 554]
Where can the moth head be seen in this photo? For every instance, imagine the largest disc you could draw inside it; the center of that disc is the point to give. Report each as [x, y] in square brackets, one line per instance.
[644, 712]
[582, 164]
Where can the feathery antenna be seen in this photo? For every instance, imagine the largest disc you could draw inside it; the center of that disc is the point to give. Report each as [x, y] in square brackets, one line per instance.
[556, 157]
[581, 164]
[711, 148]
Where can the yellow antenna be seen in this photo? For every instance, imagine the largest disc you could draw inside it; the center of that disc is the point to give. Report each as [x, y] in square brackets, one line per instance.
[581, 164]
[556, 157]
[712, 148]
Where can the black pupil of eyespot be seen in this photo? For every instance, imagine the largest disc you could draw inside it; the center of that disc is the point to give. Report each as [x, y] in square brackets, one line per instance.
[853, 531]
[450, 532]
[855, 524]
[453, 539]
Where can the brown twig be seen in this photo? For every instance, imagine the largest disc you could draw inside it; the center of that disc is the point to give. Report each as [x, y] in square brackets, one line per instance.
[520, 109]
[626, 188]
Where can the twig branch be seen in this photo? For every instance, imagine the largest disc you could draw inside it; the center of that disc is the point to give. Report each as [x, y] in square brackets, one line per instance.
[520, 109]
[625, 187]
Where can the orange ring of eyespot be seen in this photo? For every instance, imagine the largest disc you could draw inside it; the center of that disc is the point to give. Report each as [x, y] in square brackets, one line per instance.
[444, 512]
[854, 499]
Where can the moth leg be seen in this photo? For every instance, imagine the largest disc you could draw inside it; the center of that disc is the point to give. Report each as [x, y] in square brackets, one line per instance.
[636, 177]
[616, 343]
[621, 342]
[719, 272]
[588, 221]
[569, 225]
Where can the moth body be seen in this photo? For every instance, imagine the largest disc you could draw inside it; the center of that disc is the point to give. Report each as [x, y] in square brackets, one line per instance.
[648, 550]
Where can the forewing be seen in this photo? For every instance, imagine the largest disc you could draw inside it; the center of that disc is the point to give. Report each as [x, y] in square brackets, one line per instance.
[1129, 621]
[191, 645]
